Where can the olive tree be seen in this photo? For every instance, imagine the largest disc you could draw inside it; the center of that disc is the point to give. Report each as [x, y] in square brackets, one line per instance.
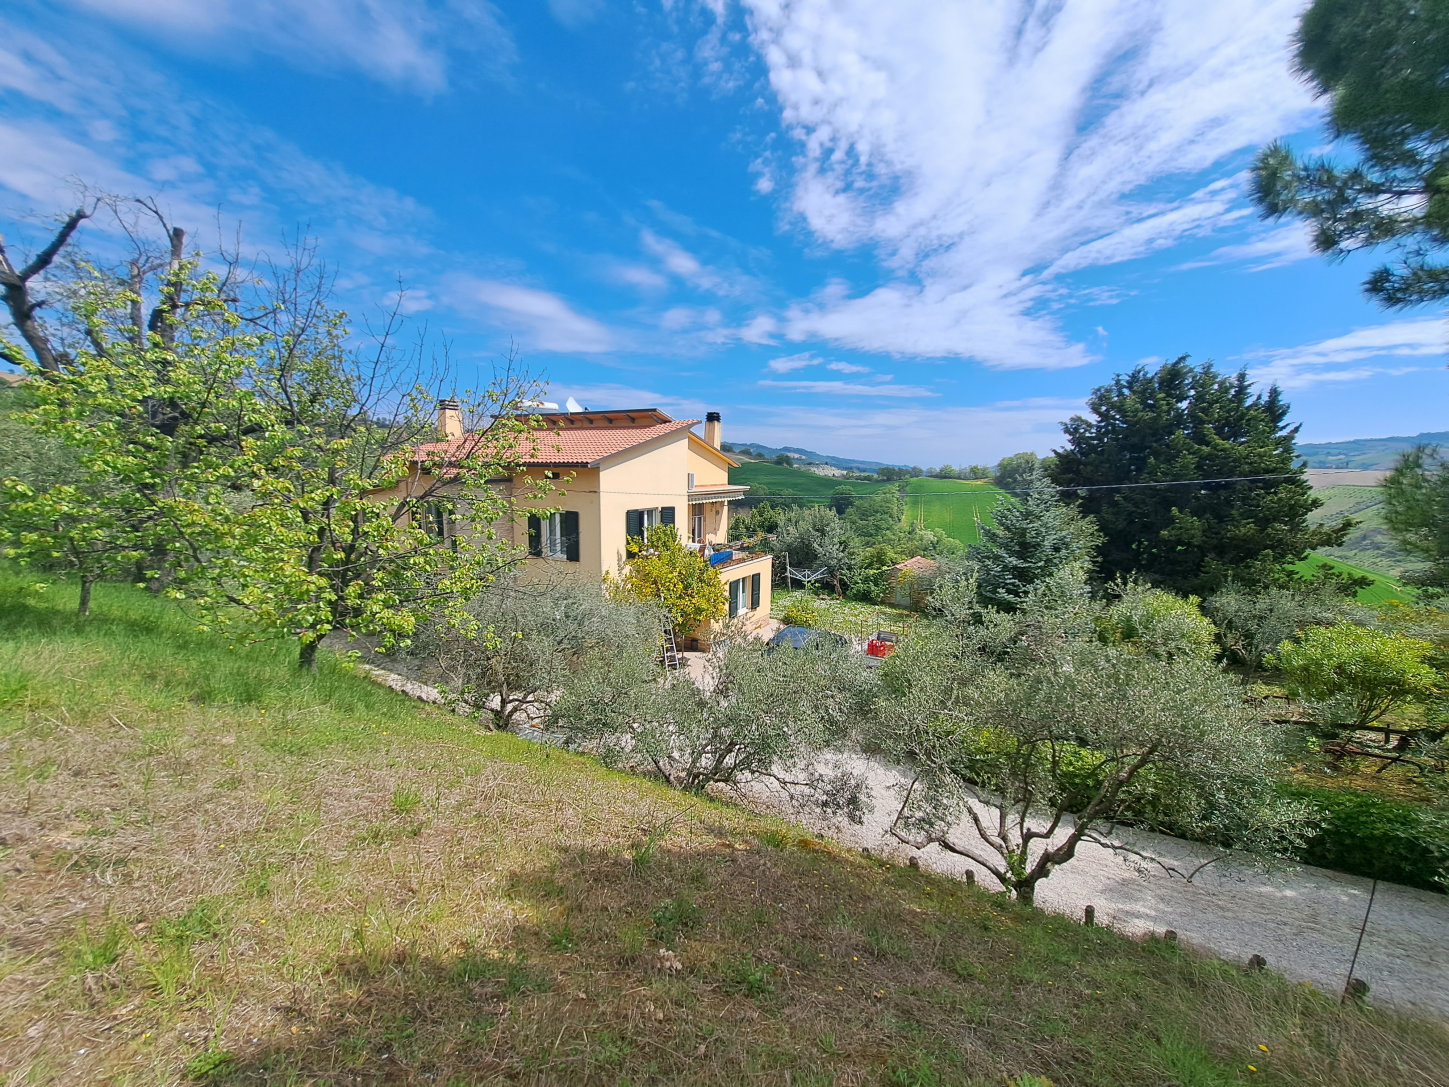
[1027, 735]
[756, 713]
[1251, 624]
[1158, 623]
[531, 636]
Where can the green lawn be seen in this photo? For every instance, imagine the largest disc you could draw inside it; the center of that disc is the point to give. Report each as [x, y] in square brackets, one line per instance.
[1381, 591]
[955, 507]
[218, 870]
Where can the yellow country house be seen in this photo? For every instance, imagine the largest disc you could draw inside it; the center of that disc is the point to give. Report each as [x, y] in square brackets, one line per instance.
[619, 473]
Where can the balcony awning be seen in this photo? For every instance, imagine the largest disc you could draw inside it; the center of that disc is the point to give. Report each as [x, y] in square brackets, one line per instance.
[722, 493]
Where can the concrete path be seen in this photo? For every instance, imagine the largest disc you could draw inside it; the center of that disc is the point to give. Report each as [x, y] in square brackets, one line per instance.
[1303, 920]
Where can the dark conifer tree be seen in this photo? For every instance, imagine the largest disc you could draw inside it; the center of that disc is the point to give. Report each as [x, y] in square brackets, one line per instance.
[1178, 423]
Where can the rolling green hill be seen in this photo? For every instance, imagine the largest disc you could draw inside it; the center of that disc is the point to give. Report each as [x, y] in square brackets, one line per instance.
[1366, 452]
[1369, 544]
[953, 506]
[764, 478]
[1381, 591]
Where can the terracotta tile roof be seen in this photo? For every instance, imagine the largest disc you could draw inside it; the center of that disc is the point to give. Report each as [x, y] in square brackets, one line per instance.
[920, 564]
[568, 446]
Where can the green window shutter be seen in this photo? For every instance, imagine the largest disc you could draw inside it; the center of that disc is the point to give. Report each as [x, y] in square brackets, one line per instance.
[634, 524]
[535, 536]
[571, 535]
[666, 515]
[735, 595]
[754, 591]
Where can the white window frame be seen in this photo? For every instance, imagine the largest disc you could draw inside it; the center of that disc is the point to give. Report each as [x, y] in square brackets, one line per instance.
[696, 527]
[648, 519]
[552, 541]
[739, 586]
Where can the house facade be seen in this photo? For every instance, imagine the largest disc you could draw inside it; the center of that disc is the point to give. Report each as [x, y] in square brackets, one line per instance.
[613, 475]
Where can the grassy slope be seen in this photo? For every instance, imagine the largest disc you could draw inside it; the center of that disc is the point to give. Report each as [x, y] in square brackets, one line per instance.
[955, 511]
[217, 869]
[766, 478]
[1381, 591]
[220, 870]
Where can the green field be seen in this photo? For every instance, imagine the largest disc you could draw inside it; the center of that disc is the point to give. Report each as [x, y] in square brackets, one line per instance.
[955, 512]
[955, 507]
[1369, 543]
[1381, 591]
[764, 478]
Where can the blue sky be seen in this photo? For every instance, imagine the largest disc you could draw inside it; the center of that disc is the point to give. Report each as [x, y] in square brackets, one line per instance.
[917, 232]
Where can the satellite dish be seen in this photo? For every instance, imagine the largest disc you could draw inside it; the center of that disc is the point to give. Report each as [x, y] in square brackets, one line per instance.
[573, 405]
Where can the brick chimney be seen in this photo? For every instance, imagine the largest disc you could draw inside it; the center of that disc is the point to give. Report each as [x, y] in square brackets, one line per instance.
[450, 419]
[712, 428]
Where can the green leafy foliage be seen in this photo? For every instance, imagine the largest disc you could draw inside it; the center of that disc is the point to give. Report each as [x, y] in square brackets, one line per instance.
[1416, 511]
[1040, 736]
[662, 571]
[1355, 675]
[1375, 836]
[1184, 422]
[1158, 624]
[801, 612]
[755, 712]
[262, 464]
[1380, 64]
[1252, 624]
[537, 633]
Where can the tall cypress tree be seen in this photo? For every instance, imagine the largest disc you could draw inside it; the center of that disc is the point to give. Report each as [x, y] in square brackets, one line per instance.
[1033, 538]
[1183, 422]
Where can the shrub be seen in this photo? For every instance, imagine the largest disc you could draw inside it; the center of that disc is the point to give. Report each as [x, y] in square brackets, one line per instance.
[801, 613]
[1375, 837]
[1159, 624]
[1355, 675]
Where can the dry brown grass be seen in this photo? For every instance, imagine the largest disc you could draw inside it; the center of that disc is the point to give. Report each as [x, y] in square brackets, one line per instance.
[207, 878]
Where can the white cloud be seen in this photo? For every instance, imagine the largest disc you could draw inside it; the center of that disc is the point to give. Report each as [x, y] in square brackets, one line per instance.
[984, 151]
[404, 43]
[846, 388]
[684, 265]
[1341, 358]
[1280, 246]
[543, 320]
[575, 13]
[637, 275]
[847, 368]
[786, 363]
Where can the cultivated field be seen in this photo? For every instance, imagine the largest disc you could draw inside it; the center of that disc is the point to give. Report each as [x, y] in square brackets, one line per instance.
[955, 507]
[219, 870]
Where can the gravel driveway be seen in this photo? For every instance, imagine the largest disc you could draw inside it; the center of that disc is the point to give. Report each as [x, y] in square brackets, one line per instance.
[1303, 920]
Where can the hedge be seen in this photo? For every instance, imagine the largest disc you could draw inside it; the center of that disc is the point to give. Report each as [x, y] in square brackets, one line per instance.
[1373, 836]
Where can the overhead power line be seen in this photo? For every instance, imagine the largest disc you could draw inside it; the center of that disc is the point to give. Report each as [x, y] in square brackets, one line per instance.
[1028, 490]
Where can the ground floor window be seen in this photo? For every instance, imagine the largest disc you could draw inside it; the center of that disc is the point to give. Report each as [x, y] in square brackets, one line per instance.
[744, 595]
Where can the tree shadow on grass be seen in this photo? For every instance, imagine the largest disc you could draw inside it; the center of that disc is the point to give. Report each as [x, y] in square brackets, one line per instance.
[578, 992]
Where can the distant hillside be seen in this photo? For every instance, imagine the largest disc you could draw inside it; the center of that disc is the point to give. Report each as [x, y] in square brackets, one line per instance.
[848, 463]
[954, 506]
[764, 478]
[1366, 452]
